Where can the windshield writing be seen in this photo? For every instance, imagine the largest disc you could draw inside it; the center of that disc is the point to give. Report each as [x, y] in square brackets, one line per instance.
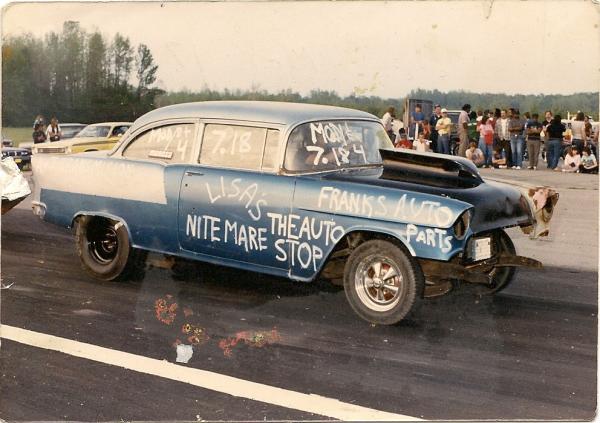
[326, 145]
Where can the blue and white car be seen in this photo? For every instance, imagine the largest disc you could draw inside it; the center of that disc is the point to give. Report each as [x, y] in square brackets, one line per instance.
[292, 190]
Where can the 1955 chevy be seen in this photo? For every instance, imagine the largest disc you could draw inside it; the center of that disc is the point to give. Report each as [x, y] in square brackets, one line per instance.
[293, 190]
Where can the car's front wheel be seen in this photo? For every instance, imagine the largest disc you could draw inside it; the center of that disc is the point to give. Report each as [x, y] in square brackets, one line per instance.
[104, 249]
[500, 277]
[383, 284]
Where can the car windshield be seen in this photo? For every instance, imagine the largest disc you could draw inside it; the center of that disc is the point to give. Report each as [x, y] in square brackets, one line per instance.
[328, 145]
[70, 131]
[94, 131]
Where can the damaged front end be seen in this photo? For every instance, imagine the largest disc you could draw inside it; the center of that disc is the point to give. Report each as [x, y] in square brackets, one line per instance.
[490, 259]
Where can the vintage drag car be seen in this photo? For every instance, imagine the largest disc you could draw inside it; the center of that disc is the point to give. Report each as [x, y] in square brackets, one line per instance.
[293, 190]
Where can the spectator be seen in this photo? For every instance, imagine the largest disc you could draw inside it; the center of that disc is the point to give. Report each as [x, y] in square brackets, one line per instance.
[534, 128]
[38, 134]
[421, 144]
[588, 127]
[475, 154]
[402, 141]
[515, 128]
[543, 135]
[433, 120]
[53, 131]
[463, 128]
[444, 128]
[416, 121]
[589, 164]
[486, 140]
[578, 131]
[39, 120]
[499, 160]
[572, 160]
[387, 121]
[554, 132]
[503, 135]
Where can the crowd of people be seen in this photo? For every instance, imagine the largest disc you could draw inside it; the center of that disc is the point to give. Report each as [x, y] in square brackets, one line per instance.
[501, 138]
[43, 132]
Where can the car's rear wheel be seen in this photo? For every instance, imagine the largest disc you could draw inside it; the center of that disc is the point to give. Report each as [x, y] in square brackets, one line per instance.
[383, 284]
[104, 248]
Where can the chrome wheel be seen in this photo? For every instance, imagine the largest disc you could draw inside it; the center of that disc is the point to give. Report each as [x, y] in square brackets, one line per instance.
[379, 283]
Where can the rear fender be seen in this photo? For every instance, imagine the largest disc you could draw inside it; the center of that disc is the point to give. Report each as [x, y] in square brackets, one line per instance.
[120, 221]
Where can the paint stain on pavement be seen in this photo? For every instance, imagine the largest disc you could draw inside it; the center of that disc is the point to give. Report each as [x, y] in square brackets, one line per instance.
[166, 309]
[254, 339]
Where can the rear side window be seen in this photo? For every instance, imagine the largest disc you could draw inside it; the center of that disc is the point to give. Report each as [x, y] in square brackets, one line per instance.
[169, 144]
[239, 147]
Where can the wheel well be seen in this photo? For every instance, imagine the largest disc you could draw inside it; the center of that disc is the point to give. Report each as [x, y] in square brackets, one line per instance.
[333, 269]
[98, 217]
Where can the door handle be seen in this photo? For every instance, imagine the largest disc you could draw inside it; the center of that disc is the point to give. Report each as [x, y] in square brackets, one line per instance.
[193, 173]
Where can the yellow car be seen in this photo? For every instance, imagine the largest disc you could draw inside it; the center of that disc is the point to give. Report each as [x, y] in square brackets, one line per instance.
[98, 136]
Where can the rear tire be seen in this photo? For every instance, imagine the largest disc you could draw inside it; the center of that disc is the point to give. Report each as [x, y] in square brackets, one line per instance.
[104, 249]
[383, 283]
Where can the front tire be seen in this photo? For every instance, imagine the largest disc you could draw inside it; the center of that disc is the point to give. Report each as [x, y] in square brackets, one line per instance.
[104, 249]
[501, 277]
[383, 284]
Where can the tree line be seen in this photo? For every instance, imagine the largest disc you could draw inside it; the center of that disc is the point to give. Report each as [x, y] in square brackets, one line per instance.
[557, 103]
[84, 77]
[76, 76]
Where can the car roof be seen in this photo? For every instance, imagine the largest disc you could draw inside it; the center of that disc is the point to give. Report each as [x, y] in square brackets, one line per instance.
[111, 123]
[253, 111]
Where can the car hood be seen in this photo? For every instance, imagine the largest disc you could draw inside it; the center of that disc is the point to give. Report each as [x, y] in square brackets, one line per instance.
[495, 205]
[76, 141]
[14, 149]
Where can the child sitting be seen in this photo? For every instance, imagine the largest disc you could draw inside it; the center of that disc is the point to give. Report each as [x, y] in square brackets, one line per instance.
[498, 159]
[475, 154]
[421, 144]
[588, 162]
[572, 160]
[402, 141]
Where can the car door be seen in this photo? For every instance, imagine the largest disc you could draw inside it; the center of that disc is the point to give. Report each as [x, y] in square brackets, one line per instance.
[231, 205]
[153, 162]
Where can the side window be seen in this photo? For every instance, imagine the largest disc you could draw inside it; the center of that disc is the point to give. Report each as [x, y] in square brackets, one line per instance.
[239, 147]
[119, 130]
[271, 154]
[169, 144]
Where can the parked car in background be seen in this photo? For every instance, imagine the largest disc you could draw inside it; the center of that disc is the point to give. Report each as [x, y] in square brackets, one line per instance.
[293, 190]
[21, 156]
[7, 142]
[95, 137]
[70, 130]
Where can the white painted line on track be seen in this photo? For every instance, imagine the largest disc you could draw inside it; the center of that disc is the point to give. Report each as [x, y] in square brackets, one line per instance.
[309, 403]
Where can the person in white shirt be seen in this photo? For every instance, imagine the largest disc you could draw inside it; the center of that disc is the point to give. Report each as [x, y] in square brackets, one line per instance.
[387, 121]
[503, 135]
[53, 132]
[421, 144]
[572, 160]
[463, 129]
[475, 154]
[578, 131]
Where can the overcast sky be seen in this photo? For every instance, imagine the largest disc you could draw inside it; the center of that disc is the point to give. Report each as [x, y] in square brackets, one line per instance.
[371, 48]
